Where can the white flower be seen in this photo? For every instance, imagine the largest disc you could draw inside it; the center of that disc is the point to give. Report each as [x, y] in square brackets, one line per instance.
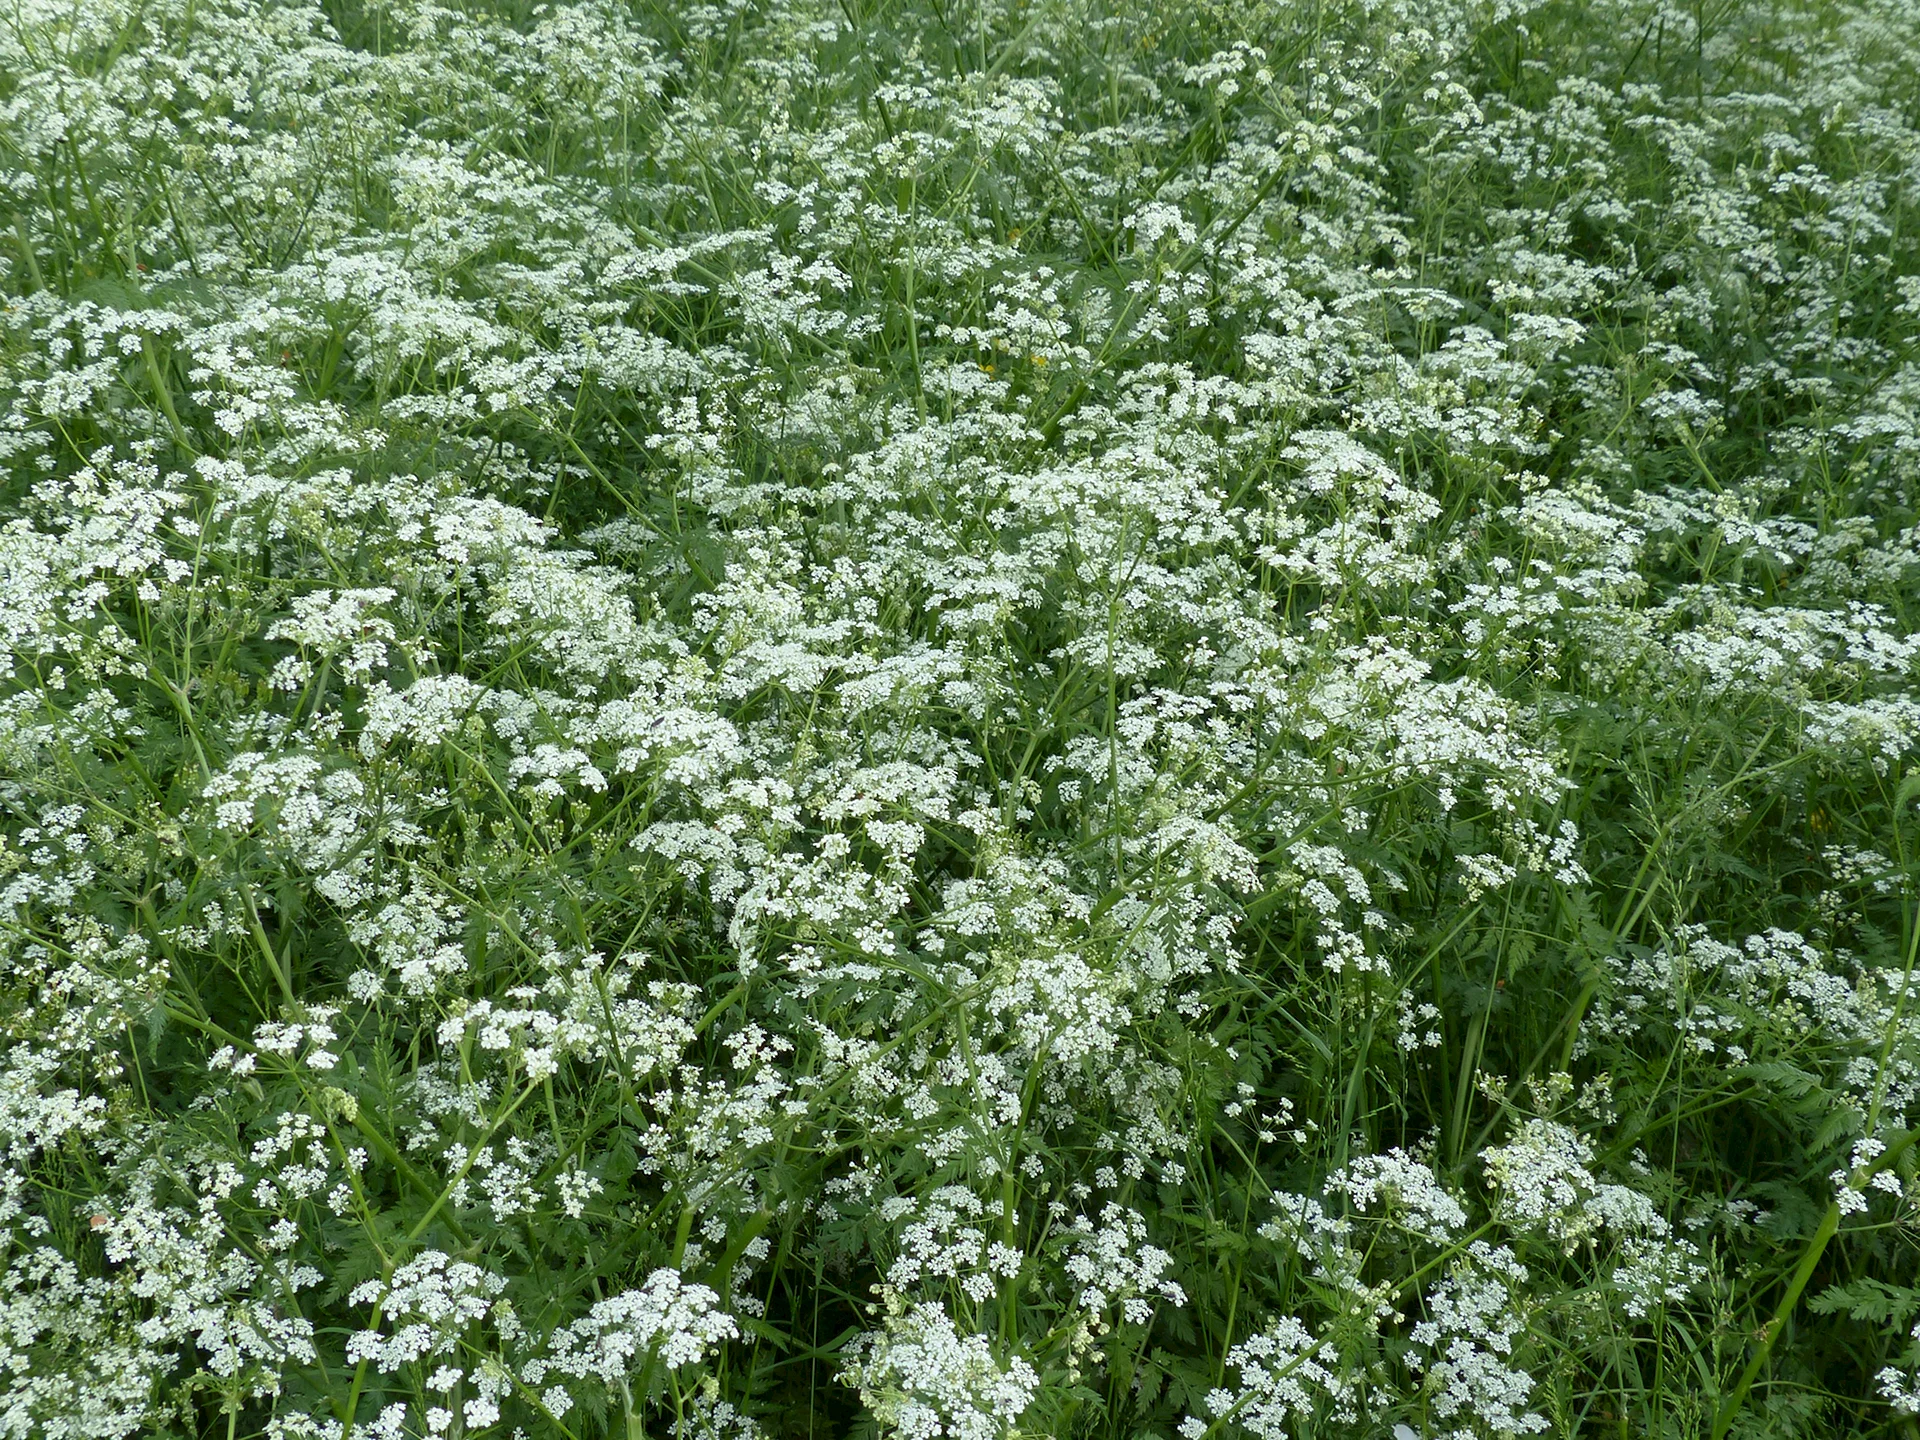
[680, 1323]
[923, 1378]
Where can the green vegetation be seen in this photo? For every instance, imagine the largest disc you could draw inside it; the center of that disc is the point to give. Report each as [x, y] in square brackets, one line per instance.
[983, 718]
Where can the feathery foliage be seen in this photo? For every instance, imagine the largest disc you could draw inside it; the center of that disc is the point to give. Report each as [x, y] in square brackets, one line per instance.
[1073, 718]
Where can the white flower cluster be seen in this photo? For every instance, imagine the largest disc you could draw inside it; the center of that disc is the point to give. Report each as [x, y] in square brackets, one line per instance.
[1543, 1180]
[427, 1305]
[923, 1379]
[1283, 1385]
[664, 667]
[944, 1242]
[1474, 1321]
[666, 1318]
[1114, 1265]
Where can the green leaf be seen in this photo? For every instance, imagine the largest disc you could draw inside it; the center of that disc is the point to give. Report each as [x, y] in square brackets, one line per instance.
[1871, 1300]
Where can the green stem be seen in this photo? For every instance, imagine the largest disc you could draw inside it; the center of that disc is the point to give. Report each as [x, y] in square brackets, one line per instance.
[1802, 1273]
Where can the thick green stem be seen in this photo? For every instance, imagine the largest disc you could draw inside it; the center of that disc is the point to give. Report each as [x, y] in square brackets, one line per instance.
[1802, 1273]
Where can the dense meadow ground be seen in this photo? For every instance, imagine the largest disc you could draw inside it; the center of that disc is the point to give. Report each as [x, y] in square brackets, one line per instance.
[959, 718]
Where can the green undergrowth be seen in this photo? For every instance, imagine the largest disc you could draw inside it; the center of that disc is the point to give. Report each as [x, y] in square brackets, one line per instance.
[1034, 718]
